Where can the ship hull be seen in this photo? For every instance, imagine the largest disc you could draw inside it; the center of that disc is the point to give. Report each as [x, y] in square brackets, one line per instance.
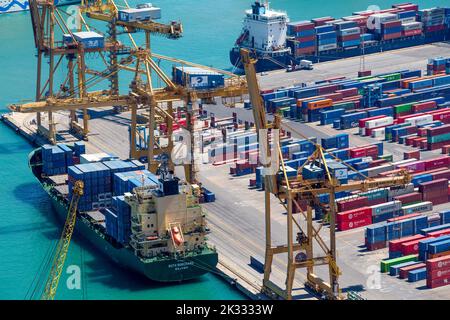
[156, 269]
[267, 65]
[23, 5]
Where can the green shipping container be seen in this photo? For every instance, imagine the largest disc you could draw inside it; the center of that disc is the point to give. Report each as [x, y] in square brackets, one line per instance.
[386, 264]
[387, 157]
[377, 194]
[392, 76]
[403, 108]
[439, 138]
[345, 105]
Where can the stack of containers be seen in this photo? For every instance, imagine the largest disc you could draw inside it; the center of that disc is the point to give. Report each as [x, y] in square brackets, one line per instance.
[326, 38]
[55, 159]
[379, 24]
[437, 65]
[127, 181]
[438, 272]
[433, 19]
[305, 37]
[391, 30]
[123, 211]
[339, 141]
[383, 211]
[110, 222]
[79, 148]
[349, 34]
[354, 218]
[435, 191]
[412, 29]
[97, 185]
[321, 21]
[438, 137]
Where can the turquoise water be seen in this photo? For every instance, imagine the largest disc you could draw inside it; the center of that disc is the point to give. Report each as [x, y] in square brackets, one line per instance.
[27, 224]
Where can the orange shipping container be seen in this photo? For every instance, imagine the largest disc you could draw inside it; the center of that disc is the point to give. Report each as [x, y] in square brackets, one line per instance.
[320, 104]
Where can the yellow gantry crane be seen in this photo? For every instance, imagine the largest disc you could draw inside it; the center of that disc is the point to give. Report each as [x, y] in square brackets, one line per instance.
[139, 60]
[62, 248]
[293, 190]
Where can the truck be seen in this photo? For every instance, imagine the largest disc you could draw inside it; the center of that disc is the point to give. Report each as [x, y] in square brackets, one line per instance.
[303, 65]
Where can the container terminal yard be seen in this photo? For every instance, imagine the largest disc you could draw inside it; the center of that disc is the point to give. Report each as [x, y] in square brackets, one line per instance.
[356, 208]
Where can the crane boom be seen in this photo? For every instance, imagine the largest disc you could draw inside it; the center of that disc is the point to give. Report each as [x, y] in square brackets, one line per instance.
[63, 244]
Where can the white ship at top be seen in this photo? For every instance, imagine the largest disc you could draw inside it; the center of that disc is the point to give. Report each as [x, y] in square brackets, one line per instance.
[264, 33]
[7, 6]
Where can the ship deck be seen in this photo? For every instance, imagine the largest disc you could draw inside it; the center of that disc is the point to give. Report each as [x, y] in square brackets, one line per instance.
[237, 217]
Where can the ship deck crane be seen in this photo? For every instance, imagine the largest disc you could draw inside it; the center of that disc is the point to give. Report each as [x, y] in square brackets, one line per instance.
[62, 248]
[290, 192]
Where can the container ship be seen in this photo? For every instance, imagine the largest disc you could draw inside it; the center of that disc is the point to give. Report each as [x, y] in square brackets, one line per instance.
[278, 43]
[149, 224]
[8, 6]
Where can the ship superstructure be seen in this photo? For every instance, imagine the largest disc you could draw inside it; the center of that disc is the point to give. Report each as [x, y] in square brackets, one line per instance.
[264, 32]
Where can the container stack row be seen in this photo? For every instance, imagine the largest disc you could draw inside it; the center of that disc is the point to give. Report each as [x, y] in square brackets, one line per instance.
[422, 252]
[365, 28]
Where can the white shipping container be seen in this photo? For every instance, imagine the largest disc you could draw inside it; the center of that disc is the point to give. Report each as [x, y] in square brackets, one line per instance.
[382, 208]
[397, 163]
[408, 20]
[417, 121]
[412, 25]
[362, 131]
[378, 133]
[326, 47]
[379, 122]
[418, 207]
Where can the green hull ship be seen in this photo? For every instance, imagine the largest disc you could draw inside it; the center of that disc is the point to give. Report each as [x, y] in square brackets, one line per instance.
[161, 258]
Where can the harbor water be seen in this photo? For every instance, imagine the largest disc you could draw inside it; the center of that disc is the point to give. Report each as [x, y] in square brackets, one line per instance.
[28, 227]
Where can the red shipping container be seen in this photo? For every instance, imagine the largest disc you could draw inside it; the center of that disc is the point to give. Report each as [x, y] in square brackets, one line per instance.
[424, 106]
[375, 246]
[306, 38]
[439, 255]
[435, 163]
[434, 28]
[414, 32]
[439, 282]
[362, 122]
[406, 216]
[348, 92]
[409, 198]
[303, 26]
[446, 149]
[407, 7]
[374, 202]
[376, 163]
[349, 37]
[300, 51]
[346, 205]
[435, 146]
[423, 145]
[411, 247]
[411, 154]
[355, 214]
[352, 224]
[392, 36]
[439, 233]
[334, 96]
[358, 152]
[403, 272]
[389, 24]
[438, 130]
[438, 263]
[416, 166]
[396, 245]
[418, 141]
[444, 174]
